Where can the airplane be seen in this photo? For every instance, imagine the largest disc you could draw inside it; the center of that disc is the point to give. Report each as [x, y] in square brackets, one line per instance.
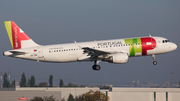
[113, 51]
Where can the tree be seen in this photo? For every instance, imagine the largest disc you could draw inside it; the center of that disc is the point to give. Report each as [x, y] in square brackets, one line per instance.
[50, 98]
[93, 96]
[32, 81]
[23, 80]
[5, 82]
[28, 84]
[13, 85]
[70, 98]
[43, 84]
[45, 98]
[61, 84]
[71, 85]
[50, 81]
[80, 98]
[82, 86]
[36, 98]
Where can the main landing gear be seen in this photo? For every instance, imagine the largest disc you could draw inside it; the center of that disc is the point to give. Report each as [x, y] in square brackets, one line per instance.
[154, 62]
[96, 65]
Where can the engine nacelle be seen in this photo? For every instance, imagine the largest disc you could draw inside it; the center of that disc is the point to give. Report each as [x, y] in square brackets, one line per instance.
[118, 58]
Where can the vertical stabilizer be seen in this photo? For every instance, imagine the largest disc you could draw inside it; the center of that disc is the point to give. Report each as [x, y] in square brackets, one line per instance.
[18, 37]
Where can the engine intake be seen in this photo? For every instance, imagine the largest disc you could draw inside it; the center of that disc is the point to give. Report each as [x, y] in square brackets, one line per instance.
[118, 58]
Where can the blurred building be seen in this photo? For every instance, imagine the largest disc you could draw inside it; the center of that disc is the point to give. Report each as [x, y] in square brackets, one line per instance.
[12, 94]
[114, 93]
[166, 84]
[144, 94]
[135, 83]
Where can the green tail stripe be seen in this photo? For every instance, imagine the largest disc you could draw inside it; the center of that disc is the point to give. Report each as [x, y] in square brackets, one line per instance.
[9, 30]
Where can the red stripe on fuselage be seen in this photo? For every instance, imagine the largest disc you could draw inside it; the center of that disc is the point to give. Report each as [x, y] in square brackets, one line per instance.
[146, 44]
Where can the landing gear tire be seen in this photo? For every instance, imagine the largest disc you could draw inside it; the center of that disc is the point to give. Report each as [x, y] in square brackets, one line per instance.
[96, 67]
[155, 62]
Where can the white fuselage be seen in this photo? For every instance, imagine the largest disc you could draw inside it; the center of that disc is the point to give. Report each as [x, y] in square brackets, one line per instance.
[73, 52]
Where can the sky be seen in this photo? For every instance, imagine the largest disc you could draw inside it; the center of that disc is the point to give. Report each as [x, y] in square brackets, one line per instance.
[63, 21]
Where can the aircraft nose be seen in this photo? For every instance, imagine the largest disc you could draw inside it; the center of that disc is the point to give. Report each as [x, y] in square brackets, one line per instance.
[174, 46]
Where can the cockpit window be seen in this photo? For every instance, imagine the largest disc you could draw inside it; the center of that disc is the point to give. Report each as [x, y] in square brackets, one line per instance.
[165, 41]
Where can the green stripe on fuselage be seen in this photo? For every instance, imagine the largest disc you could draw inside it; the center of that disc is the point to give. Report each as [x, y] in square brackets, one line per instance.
[134, 48]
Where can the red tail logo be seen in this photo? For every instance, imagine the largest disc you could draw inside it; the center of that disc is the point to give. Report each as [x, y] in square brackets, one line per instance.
[18, 35]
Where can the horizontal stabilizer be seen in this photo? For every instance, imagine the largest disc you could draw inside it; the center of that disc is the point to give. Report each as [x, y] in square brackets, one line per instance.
[13, 53]
[17, 52]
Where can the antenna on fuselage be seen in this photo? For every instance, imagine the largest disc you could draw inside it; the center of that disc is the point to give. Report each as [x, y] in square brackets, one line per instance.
[150, 35]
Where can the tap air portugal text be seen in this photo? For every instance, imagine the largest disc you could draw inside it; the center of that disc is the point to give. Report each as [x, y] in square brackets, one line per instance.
[112, 51]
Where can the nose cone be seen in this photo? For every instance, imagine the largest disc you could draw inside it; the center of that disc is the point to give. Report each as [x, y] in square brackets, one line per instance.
[174, 46]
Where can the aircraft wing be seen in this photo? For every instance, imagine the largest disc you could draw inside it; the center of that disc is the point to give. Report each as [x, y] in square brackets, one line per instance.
[94, 52]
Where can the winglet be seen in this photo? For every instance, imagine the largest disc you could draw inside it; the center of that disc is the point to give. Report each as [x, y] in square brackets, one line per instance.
[80, 47]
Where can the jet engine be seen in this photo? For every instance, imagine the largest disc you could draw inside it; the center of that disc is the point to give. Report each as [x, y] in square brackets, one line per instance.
[118, 58]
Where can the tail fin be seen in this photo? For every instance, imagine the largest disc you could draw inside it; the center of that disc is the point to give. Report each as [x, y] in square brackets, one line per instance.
[18, 37]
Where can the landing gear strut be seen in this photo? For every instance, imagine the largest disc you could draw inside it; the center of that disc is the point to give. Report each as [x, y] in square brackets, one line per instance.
[154, 62]
[96, 65]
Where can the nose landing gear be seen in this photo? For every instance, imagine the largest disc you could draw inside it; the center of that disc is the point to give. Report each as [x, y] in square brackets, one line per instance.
[154, 62]
[96, 66]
